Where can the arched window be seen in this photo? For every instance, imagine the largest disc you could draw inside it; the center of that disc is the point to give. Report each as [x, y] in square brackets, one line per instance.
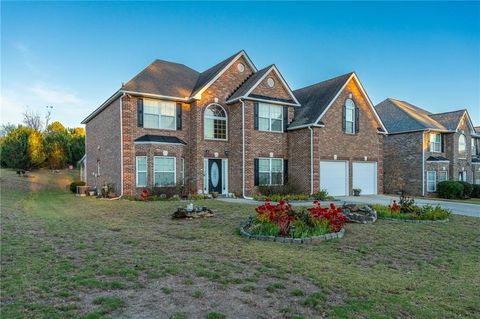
[462, 146]
[349, 119]
[215, 122]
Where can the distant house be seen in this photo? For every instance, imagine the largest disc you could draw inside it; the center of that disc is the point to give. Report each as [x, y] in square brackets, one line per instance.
[233, 128]
[423, 149]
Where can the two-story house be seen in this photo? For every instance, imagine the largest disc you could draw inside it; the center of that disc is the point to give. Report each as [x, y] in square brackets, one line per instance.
[229, 129]
[423, 149]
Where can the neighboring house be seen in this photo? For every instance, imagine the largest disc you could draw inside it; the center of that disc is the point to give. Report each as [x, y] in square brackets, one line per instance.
[222, 130]
[229, 129]
[423, 149]
[338, 122]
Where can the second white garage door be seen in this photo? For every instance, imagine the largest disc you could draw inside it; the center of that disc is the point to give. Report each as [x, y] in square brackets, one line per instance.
[364, 176]
[334, 177]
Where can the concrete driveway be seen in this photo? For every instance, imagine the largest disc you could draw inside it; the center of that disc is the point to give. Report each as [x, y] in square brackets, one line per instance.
[455, 207]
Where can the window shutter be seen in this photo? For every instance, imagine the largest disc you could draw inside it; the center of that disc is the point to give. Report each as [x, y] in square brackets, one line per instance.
[441, 143]
[255, 115]
[344, 118]
[140, 112]
[285, 172]
[255, 171]
[179, 116]
[285, 118]
[357, 119]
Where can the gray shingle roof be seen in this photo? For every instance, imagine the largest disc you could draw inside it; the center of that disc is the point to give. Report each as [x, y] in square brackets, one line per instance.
[160, 139]
[449, 119]
[400, 116]
[249, 83]
[315, 99]
[164, 78]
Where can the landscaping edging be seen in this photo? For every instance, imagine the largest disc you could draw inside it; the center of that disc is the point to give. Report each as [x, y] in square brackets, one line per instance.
[281, 239]
[415, 221]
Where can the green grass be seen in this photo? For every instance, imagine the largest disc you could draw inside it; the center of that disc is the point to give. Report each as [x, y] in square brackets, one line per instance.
[58, 250]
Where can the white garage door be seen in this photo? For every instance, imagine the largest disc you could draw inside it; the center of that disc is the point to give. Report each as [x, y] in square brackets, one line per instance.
[364, 176]
[334, 177]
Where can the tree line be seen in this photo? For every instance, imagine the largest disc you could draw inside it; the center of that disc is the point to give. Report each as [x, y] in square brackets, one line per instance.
[32, 145]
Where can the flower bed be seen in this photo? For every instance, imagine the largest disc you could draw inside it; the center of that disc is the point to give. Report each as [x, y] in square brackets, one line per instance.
[282, 223]
[406, 210]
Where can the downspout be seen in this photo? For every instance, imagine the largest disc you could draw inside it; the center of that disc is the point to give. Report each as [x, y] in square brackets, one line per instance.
[423, 163]
[243, 150]
[121, 148]
[311, 159]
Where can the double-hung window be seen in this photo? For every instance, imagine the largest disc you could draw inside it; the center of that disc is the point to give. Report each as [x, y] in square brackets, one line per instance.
[473, 145]
[164, 171]
[431, 181]
[349, 116]
[141, 168]
[435, 142]
[159, 114]
[270, 171]
[442, 176]
[270, 117]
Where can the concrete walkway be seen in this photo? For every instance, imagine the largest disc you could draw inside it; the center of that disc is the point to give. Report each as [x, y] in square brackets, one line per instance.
[455, 207]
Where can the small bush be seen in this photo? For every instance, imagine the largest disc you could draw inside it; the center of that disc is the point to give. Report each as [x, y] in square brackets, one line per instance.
[467, 189]
[277, 190]
[476, 191]
[450, 189]
[74, 184]
[322, 195]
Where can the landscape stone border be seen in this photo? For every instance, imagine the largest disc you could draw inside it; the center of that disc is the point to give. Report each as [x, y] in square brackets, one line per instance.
[415, 221]
[281, 239]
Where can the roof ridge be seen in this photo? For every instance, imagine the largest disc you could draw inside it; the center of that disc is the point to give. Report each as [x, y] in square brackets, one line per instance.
[171, 62]
[461, 110]
[405, 111]
[334, 78]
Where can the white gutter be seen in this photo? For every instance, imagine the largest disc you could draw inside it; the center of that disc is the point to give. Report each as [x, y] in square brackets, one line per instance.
[304, 126]
[243, 150]
[423, 165]
[311, 160]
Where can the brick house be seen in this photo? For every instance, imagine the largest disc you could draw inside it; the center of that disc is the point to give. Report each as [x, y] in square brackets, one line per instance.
[422, 149]
[230, 129]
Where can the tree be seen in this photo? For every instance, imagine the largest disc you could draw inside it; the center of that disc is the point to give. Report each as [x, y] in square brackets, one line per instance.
[56, 147]
[14, 149]
[6, 128]
[56, 127]
[32, 120]
[36, 150]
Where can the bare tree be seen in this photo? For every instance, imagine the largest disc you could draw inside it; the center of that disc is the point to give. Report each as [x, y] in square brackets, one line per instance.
[32, 120]
[47, 116]
[6, 128]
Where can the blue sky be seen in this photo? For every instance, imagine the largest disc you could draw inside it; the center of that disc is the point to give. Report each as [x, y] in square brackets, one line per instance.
[74, 55]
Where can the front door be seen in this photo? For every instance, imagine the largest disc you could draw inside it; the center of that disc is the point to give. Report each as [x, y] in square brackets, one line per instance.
[215, 175]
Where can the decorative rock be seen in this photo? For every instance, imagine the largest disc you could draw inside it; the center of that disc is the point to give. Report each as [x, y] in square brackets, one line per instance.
[356, 214]
[197, 212]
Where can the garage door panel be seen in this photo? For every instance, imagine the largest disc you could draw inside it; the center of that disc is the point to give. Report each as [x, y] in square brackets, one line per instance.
[334, 177]
[364, 176]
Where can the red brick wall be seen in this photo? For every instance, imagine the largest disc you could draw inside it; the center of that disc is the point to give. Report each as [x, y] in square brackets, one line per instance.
[278, 90]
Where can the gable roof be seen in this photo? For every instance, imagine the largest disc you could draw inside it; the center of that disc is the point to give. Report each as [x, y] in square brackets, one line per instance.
[159, 139]
[316, 99]
[246, 88]
[402, 117]
[209, 76]
[164, 78]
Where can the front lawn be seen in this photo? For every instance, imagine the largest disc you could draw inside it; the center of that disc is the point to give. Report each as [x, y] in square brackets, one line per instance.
[72, 257]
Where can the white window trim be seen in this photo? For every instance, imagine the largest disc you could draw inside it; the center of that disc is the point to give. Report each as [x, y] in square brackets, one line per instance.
[182, 170]
[98, 168]
[270, 118]
[174, 171]
[215, 117]
[160, 116]
[137, 171]
[434, 143]
[270, 171]
[446, 175]
[352, 108]
[434, 181]
[465, 151]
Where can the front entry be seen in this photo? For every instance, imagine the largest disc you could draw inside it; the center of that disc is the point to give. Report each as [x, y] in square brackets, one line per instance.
[215, 175]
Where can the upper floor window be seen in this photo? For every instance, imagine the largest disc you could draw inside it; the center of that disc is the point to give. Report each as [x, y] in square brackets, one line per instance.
[349, 116]
[474, 146]
[215, 122]
[159, 114]
[270, 117]
[462, 146]
[435, 142]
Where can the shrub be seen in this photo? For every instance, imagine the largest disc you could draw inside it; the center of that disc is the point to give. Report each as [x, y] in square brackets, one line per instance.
[428, 212]
[321, 195]
[166, 192]
[450, 189]
[476, 191]
[467, 189]
[74, 184]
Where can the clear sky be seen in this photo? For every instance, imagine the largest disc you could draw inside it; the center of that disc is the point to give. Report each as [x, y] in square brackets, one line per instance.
[74, 55]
